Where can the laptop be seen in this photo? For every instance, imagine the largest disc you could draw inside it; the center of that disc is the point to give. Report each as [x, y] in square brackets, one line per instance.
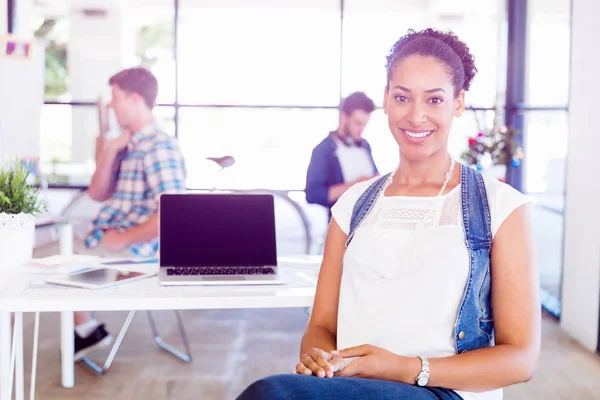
[217, 239]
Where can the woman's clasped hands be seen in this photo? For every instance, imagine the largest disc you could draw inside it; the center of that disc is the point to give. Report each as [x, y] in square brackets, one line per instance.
[365, 361]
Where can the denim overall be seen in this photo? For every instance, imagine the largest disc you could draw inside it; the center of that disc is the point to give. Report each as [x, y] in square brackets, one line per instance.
[474, 326]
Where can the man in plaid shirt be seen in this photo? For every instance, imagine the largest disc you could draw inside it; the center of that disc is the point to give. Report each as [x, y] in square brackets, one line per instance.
[150, 165]
[132, 172]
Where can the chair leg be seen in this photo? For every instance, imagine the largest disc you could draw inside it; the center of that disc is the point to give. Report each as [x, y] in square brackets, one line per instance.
[185, 357]
[113, 352]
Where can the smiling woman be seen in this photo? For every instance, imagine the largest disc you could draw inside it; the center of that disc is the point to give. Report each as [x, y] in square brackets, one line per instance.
[415, 259]
[439, 68]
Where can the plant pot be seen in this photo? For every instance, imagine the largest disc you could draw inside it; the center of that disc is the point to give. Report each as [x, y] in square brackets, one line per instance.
[16, 239]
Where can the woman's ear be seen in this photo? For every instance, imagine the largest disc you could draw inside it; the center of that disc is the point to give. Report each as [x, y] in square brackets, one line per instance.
[459, 104]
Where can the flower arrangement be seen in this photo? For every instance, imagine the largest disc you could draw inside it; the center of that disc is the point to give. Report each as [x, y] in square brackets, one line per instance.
[493, 147]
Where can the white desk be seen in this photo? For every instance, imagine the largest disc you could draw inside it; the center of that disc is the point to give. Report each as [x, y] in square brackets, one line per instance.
[27, 293]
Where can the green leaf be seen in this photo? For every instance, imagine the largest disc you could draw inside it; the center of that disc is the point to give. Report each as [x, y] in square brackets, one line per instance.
[16, 196]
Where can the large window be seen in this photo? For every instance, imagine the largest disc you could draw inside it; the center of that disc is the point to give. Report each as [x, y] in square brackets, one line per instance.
[371, 27]
[261, 80]
[546, 143]
[256, 79]
[545, 128]
[272, 146]
[68, 135]
[86, 42]
[547, 93]
[257, 53]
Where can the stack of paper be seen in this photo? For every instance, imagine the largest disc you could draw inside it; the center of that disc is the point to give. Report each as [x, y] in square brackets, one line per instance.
[59, 264]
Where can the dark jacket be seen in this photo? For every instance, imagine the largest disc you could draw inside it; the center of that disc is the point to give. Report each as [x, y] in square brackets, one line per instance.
[325, 171]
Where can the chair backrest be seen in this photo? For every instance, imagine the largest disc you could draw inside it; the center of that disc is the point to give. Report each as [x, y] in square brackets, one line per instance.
[292, 225]
[81, 211]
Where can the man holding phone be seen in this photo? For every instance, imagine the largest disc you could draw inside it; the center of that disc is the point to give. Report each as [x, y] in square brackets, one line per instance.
[132, 171]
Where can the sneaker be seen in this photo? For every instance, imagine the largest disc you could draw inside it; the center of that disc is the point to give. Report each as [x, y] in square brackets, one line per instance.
[97, 340]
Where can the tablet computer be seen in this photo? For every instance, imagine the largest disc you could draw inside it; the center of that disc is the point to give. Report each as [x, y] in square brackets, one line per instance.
[99, 278]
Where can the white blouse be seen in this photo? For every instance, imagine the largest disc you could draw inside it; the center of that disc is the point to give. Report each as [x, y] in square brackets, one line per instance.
[405, 272]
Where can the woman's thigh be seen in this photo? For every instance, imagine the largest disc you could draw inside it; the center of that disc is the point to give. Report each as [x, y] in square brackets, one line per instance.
[310, 387]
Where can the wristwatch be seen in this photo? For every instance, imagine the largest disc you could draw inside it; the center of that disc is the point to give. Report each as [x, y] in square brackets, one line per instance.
[423, 378]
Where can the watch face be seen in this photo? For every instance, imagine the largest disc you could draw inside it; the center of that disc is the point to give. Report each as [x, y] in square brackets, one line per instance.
[422, 381]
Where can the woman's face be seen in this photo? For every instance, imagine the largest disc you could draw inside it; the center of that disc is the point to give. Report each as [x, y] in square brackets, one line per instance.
[420, 104]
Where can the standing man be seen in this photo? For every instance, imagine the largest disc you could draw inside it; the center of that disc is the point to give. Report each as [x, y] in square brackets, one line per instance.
[343, 158]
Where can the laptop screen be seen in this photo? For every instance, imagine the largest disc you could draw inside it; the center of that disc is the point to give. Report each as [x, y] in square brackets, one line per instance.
[217, 230]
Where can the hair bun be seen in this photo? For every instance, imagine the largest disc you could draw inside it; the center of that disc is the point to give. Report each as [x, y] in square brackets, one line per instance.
[454, 53]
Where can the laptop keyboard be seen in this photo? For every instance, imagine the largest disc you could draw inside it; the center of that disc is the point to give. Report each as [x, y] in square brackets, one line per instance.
[221, 271]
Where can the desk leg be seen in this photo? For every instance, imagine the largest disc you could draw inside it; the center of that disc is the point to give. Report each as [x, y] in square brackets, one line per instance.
[67, 338]
[36, 337]
[19, 366]
[65, 239]
[5, 348]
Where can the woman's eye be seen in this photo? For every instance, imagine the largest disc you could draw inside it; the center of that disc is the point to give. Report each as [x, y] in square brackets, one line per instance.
[436, 100]
[401, 98]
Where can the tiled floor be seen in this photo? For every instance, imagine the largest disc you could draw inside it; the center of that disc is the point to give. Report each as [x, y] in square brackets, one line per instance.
[232, 348]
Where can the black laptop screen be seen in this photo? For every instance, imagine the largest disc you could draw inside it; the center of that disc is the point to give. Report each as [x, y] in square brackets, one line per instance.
[217, 230]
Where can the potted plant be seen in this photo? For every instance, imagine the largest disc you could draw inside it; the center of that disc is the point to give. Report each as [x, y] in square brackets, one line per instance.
[19, 204]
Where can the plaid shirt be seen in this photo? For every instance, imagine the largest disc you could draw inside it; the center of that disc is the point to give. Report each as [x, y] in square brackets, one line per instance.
[151, 165]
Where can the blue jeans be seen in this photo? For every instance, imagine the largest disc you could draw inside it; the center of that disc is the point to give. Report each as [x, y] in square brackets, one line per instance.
[303, 387]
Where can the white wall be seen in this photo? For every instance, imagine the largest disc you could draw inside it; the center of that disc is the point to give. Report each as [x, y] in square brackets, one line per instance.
[581, 280]
[24, 17]
[98, 48]
[3, 17]
[22, 83]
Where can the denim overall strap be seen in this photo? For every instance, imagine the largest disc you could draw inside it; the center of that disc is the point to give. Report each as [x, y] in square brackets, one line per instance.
[476, 210]
[474, 324]
[364, 204]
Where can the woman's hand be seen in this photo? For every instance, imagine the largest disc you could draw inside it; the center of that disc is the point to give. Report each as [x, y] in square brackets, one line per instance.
[319, 363]
[375, 362]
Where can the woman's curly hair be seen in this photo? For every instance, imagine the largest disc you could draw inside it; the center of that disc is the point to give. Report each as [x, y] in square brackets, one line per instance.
[444, 46]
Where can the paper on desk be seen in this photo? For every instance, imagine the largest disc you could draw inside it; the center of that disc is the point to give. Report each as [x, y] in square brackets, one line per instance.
[132, 261]
[59, 264]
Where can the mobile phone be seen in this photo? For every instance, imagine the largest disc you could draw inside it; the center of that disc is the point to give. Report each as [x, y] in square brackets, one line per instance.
[109, 128]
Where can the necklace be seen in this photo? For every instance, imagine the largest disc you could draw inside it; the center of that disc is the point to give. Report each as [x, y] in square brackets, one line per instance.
[449, 174]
